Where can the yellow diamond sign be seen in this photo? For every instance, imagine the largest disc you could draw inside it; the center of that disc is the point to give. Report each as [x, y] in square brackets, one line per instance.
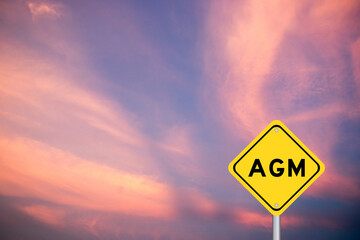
[276, 167]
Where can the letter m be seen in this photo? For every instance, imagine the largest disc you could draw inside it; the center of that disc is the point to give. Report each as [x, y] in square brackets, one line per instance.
[297, 169]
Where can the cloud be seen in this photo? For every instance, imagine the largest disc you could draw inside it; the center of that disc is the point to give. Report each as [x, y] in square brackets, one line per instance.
[261, 58]
[93, 138]
[355, 49]
[44, 9]
[69, 144]
[33, 169]
[256, 220]
[177, 140]
[287, 61]
[336, 186]
[45, 214]
[70, 148]
[246, 37]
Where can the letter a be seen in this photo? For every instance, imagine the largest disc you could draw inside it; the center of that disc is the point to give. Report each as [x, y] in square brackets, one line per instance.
[257, 168]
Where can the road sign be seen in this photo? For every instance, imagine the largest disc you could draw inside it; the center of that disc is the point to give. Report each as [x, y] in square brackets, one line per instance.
[276, 167]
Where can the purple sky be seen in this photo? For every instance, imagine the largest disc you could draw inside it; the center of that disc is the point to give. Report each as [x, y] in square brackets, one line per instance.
[118, 119]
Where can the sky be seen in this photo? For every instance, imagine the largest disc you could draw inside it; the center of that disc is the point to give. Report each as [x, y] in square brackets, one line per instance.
[118, 119]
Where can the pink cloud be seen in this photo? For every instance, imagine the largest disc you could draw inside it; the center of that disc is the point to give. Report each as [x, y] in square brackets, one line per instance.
[256, 220]
[336, 186]
[177, 140]
[261, 60]
[55, 107]
[50, 98]
[195, 203]
[33, 169]
[46, 214]
[246, 36]
[44, 8]
[253, 219]
[355, 50]
[249, 38]
[70, 145]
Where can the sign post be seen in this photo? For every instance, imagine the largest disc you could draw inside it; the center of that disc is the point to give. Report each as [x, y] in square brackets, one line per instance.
[276, 227]
[276, 168]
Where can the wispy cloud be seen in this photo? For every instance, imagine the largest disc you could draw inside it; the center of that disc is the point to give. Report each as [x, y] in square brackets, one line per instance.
[44, 9]
[32, 169]
[246, 47]
[283, 60]
[69, 145]
[45, 214]
[355, 49]
[103, 132]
